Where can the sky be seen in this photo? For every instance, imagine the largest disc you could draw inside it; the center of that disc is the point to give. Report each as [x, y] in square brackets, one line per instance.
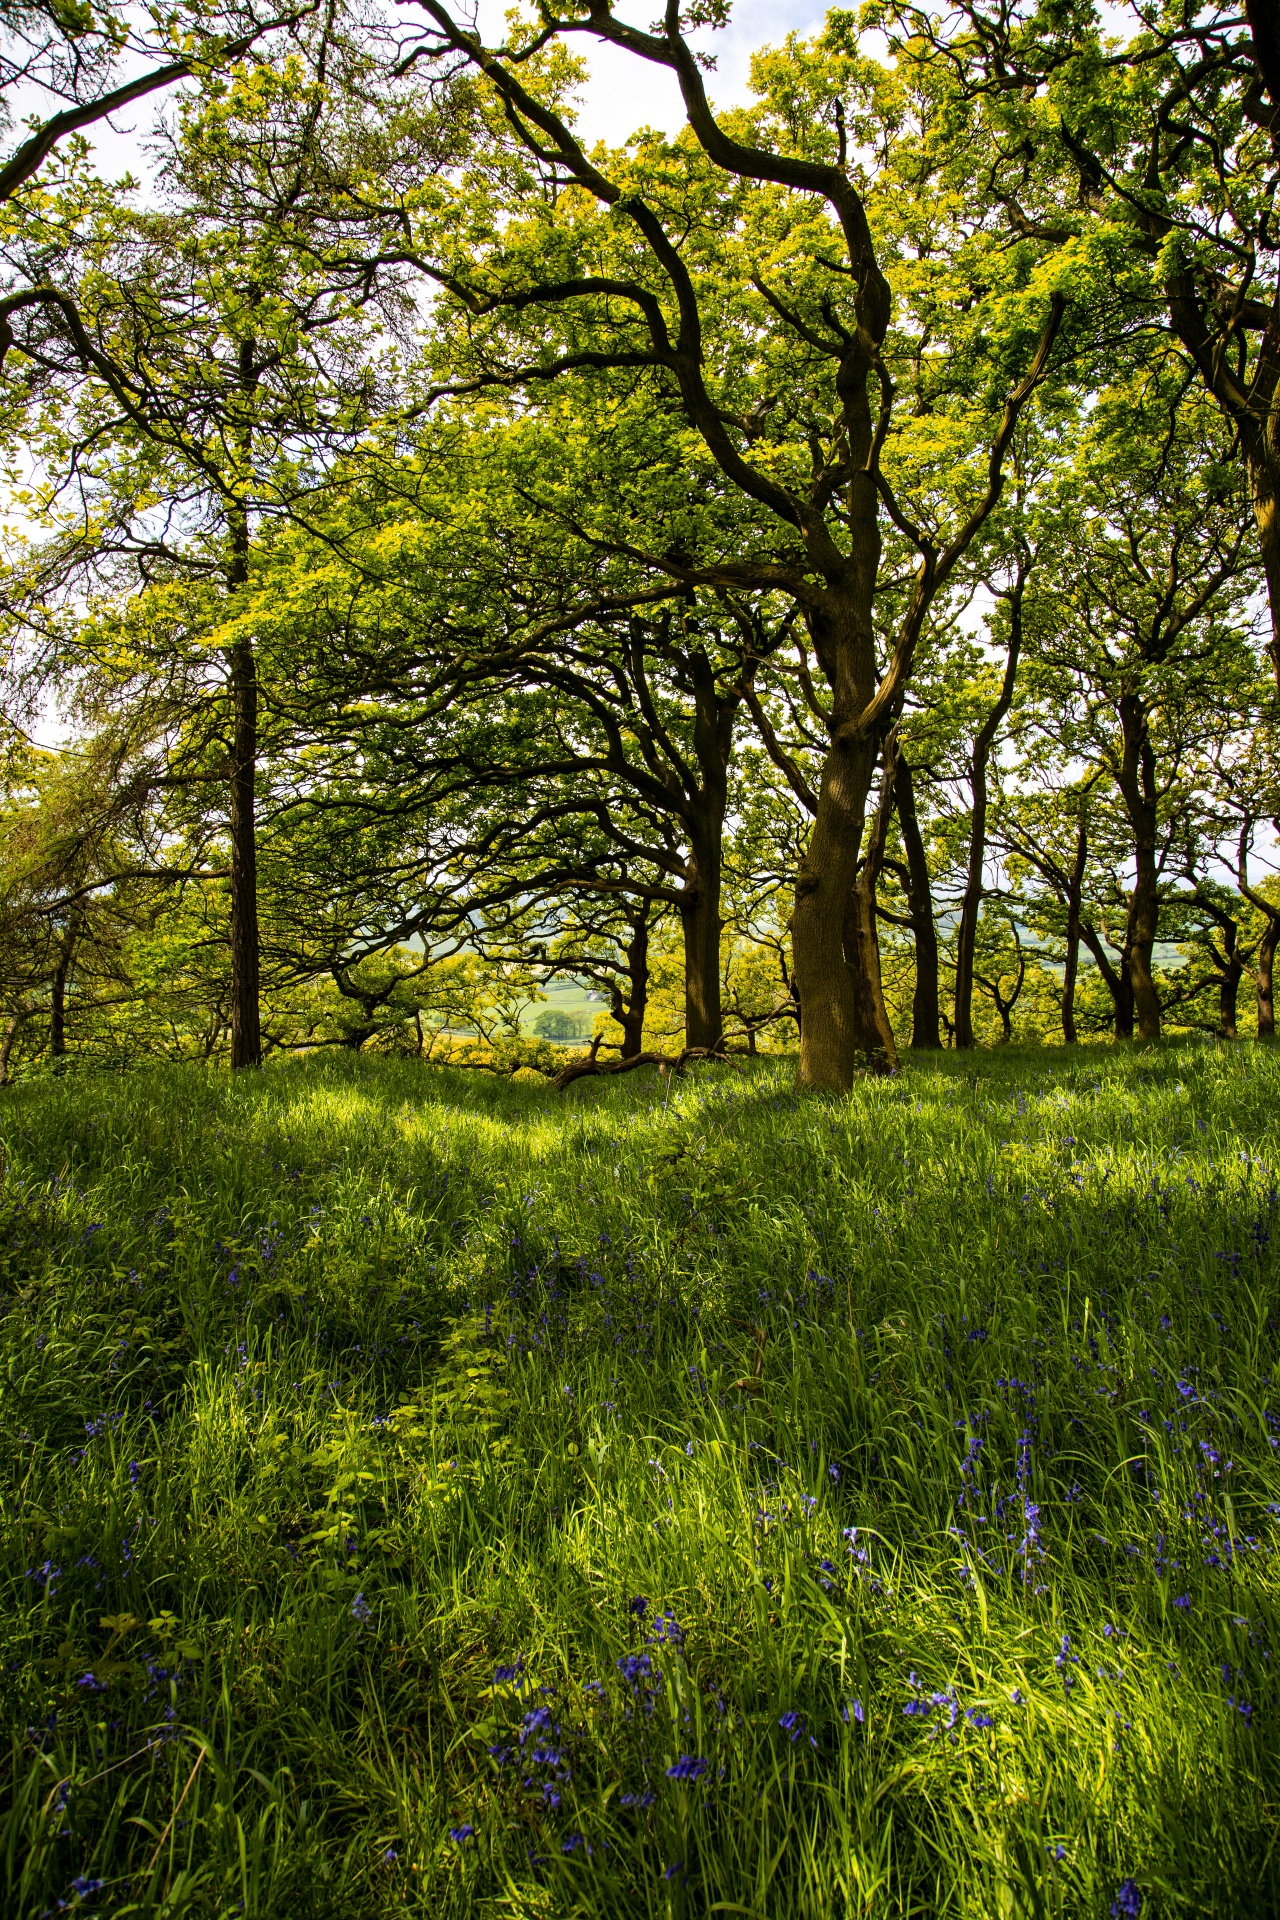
[623, 93]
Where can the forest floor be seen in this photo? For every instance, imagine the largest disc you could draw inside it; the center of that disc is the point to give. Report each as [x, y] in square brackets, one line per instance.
[423, 1493]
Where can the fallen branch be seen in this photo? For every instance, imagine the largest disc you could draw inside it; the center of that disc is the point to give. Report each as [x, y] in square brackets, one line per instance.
[666, 1063]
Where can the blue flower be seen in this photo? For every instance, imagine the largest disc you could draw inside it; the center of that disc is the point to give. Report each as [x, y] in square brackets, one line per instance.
[792, 1723]
[673, 1869]
[635, 1667]
[82, 1886]
[667, 1631]
[361, 1611]
[1128, 1900]
[390, 1857]
[571, 1842]
[91, 1683]
[501, 1675]
[638, 1605]
[1183, 1604]
[461, 1835]
[688, 1767]
[1017, 1696]
[977, 1719]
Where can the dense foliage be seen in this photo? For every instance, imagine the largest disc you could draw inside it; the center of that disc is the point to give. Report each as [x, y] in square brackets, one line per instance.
[808, 576]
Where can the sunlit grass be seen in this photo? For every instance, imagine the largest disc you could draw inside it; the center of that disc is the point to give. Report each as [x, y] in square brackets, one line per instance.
[934, 1427]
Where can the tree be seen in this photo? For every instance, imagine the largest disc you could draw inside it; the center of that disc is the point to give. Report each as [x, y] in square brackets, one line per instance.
[1137, 145]
[790, 434]
[209, 353]
[1144, 630]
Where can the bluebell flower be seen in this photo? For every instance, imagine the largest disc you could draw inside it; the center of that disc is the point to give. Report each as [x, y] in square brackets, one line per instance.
[667, 1631]
[673, 1869]
[688, 1767]
[638, 1604]
[977, 1719]
[571, 1843]
[501, 1675]
[1017, 1696]
[1128, 1900]
[91, 1683]
[82, 1886]
[390, 1857]
[793, 1724]
[642, 1800]
[361, 1611]
[1183, 1603]
[461, 1835]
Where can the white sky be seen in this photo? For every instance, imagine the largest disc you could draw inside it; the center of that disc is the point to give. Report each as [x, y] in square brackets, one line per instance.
[623, 93]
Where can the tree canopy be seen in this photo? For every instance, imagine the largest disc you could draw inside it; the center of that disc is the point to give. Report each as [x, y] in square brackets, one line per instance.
[809, 579]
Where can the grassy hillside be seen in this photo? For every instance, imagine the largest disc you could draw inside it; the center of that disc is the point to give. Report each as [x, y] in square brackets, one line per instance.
[426, 1494]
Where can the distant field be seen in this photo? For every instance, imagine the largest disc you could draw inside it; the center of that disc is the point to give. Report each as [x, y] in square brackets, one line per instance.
[566, 996]
[426, 1494]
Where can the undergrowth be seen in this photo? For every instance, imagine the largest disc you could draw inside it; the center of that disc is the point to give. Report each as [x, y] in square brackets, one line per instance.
[429, 1495]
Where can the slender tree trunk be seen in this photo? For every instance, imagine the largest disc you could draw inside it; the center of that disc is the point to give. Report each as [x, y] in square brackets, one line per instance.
[58, 1001]
[1125, 1002]
[1228, 997]
[862, 943]
[630, 1014]
[1137, 785]
[1266, 510]
[1071, 965]
[1114, 978]
[246, 1028]
[1264, 969]
[12, 1029]
[925, 1026]
[246, 1032]
[701, 925]
[714, 716]
[971, 905]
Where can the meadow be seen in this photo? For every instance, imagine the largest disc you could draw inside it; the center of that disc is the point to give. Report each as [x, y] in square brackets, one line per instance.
[424, 1493]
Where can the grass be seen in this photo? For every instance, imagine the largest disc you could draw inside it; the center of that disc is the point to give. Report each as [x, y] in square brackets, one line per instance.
[350, 1413]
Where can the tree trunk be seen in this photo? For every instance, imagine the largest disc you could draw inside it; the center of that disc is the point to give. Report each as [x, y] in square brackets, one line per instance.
[1228, 997]
[971, 905]
[1124, 1002]
[1114, 978]
[630, 1014]
[246, 1032]
[58, 1001]
[1266, 510]
[862, 944]
[12, 1029]
[701, 925]
[925, 1027]
[1137, 783]
[830, 1034]
[1071, 965]
[1264, 969]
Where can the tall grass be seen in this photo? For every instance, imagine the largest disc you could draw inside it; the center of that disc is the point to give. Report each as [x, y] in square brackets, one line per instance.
[428, 1495]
